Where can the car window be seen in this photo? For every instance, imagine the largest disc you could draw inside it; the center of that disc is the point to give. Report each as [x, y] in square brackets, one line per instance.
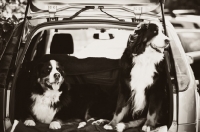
[85, 45]
[190, 41]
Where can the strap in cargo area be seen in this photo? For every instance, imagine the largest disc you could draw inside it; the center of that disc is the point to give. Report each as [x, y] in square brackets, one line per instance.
[170, 87]
[8, 123]
[4, 111]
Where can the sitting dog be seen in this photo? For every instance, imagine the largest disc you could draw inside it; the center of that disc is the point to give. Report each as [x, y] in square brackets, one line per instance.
[142, 83]
[49, 96]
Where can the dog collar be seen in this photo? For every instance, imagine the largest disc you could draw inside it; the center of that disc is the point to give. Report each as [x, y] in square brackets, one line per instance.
[134, 55]
[155, 48]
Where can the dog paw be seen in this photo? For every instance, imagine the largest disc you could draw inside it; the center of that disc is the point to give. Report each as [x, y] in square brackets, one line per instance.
[100, 122]
[120, 127]
[108, 127]
[81, 124]
[55, 125]
[147, 128]
[91, 119]
[29, 123]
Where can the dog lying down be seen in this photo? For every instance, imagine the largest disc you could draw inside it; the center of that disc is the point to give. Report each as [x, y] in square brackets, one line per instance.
[54, 102]
[49, 96]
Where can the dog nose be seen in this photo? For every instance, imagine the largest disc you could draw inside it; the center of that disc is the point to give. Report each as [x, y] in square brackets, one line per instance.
[167, 41]
[57, 75]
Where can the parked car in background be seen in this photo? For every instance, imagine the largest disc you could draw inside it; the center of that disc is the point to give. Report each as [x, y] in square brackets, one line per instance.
[190, 40]
[183, 19]
[88, 32]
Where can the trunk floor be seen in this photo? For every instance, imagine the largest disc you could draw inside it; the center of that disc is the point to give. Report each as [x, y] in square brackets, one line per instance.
[70, 127]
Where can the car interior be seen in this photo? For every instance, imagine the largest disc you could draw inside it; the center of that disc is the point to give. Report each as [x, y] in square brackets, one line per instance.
[89, 55]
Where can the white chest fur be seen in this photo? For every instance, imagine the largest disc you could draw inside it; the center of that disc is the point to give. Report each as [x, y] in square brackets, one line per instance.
[41, 107]
[142, 76]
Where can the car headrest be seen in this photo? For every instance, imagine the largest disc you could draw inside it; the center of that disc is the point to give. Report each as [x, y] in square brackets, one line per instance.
[62, 44]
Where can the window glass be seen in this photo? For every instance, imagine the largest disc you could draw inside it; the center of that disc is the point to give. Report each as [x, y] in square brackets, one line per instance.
[190, 41]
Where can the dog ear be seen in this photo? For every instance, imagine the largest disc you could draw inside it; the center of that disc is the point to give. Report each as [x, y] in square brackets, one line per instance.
[141, 27]
[131, 40]
[135, 45]
[136, 42]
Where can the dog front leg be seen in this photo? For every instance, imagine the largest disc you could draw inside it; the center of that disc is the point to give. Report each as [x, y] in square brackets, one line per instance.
[120, 127]
[29, 121]
[57, 120]
[123, 105]
[117, 118]
[155, 104]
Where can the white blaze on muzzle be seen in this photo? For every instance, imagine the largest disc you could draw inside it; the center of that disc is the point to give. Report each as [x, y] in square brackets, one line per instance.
[54, 72]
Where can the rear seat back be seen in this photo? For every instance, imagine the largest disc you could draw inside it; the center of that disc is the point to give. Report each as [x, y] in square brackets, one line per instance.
[101, 71]
[62, 44]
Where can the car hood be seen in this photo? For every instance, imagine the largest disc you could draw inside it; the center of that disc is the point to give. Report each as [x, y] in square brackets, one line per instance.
[117, 8]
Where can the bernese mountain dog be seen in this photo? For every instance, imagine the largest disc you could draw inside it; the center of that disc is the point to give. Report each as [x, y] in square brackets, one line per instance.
[143, 79]
[49, 95]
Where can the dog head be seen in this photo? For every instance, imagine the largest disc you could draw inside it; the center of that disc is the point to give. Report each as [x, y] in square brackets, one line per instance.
[50, 75]
[148, 35]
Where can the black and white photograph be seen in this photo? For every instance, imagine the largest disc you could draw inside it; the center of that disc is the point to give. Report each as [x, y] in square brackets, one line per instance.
[99, 66]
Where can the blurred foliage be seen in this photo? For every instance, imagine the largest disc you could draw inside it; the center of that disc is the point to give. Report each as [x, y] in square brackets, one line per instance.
[6, 27]
[12, 7]
[11, 11]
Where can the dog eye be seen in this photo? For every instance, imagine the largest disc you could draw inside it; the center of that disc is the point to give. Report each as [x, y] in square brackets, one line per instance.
[58, 69]
[155, 31]
[167, 41]
[48, 70]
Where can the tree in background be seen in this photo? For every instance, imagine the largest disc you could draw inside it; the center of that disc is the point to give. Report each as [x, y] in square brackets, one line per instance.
[11, 11]
[12, 7]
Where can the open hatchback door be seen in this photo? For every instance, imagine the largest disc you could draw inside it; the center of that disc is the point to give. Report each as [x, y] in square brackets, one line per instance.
[77, 9]
[89, 37]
